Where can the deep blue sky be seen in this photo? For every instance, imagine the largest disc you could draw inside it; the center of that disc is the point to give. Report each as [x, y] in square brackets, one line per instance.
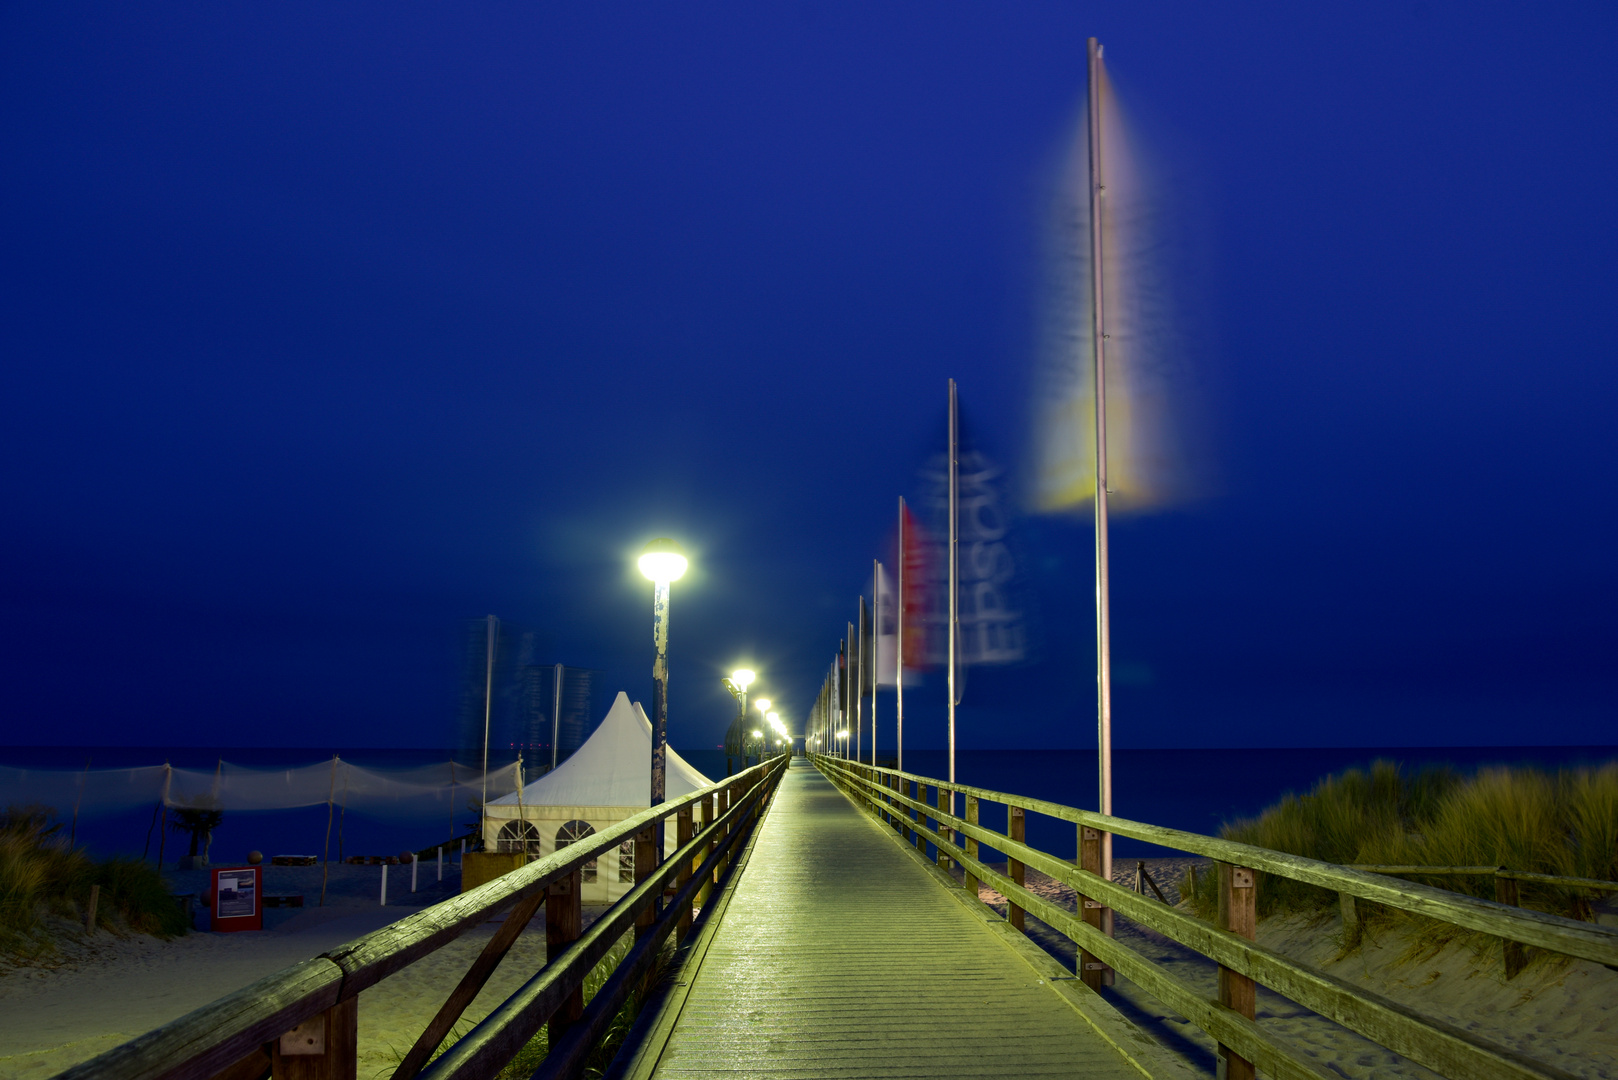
[323, 328]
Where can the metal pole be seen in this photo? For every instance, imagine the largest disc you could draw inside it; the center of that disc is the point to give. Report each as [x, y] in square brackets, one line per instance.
[660, 692]
[858, 669]
[488, 699]
[325, 859]
[954, 579]
[899, 643]
[876, 646]
[1098, 329]
[556, 716]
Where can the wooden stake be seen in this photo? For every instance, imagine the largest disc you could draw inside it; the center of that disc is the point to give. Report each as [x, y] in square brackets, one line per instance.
[1505, 892]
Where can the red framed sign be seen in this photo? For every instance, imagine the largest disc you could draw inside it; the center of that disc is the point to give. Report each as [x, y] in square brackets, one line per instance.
[237, 898]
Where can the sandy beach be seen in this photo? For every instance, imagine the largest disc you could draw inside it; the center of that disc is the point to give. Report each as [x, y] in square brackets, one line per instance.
[103, 990]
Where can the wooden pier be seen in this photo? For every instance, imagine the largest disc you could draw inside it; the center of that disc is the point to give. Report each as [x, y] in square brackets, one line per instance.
[841, 954]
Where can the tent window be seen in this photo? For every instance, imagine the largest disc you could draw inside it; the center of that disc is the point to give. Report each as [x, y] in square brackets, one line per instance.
[518, 836]
[573, 832]
[626, 861]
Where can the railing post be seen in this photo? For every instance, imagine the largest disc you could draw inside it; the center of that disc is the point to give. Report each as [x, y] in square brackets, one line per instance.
[971, 844]
[943, 829]
[646, 859]
[708, 818]
[1016, 829]
[323, 1047]
[1091, 970]
[918, 792]
[1238, 913]
[564, 922]
[1505, 892]
[682, 836]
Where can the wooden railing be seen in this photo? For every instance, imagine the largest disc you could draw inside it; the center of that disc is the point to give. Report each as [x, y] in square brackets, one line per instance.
[301, 1023]
[901, 800]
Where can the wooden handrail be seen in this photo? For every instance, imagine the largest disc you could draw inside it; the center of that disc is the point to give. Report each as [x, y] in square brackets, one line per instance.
[1570, 937]
[1434, 1043]
[1488, 871]
[219, 1036]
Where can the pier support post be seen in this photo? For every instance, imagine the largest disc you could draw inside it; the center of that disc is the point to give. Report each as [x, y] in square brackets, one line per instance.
[1238, 913]
[564, 923]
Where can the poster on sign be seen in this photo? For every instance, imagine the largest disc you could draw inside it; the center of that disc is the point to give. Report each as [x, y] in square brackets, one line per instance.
[238, 895]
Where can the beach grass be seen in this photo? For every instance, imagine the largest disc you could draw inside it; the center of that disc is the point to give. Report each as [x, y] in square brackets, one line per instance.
[1563, 824]
[42, 876]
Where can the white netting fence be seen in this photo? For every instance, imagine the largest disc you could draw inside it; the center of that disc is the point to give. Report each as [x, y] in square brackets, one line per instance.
[418, 790]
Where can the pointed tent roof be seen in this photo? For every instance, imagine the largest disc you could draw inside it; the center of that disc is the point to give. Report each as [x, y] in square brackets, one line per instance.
[612, 768]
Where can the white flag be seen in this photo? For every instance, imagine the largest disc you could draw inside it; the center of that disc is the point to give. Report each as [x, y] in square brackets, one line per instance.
[886, 624]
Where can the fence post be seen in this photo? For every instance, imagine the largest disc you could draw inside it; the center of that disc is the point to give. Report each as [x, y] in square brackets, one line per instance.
[646, 859]
[682, 836]
[564, 922]
[1016, 829]
[943, 829]
[1091, 970]
[971, 844]
[1238, 913]
[1505, 892]
[323, 1047]
[707, 849]
[1350, 911]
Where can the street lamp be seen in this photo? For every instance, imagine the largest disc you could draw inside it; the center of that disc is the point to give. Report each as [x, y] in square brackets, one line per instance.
[662, 562]
[737, 684]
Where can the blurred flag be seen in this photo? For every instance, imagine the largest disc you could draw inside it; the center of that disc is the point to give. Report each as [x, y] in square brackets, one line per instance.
[992, 626]
[1149, 393]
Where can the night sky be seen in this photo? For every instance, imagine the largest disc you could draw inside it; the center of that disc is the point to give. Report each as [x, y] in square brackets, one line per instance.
[325, 328]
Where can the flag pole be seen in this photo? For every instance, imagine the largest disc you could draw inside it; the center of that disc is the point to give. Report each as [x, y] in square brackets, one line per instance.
[954, 578]
[1098, 331]
[899, 644]
[876, 646]
[488, 700]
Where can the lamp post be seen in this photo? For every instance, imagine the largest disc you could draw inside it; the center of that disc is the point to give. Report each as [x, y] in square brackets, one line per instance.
[737, 684]
[662, 562]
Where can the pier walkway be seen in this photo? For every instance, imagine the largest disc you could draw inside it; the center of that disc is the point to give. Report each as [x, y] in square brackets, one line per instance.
[839, 955]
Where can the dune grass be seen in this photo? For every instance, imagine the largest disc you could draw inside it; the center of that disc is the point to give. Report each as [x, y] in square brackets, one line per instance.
[41, 877]
[1563, 823]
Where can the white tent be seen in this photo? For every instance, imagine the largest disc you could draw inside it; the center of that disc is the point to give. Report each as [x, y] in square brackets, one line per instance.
[606, 780]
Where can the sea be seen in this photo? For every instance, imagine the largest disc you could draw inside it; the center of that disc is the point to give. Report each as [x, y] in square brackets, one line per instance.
[1195, 790]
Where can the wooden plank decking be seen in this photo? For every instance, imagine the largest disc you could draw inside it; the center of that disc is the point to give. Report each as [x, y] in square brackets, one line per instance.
[839, 955]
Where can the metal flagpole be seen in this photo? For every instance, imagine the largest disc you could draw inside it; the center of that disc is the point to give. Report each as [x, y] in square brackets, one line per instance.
[876, 647]
[954, 580]
[556, 716]
[1098, 330]
[899, 644]
[858, 671]
[488, 696]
